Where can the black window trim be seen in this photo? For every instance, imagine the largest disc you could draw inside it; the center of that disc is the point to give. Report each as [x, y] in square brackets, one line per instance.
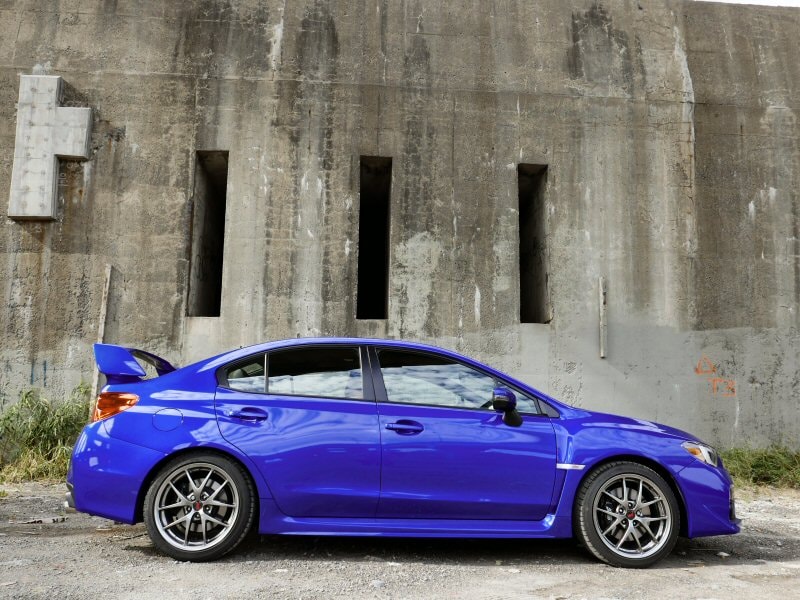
[366, 381]
[382, 396]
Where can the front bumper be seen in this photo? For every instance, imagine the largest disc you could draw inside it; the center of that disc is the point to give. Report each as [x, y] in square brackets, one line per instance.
[710, 504]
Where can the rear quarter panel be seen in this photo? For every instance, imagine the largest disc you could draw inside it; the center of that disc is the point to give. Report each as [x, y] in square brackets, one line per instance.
[175, 413]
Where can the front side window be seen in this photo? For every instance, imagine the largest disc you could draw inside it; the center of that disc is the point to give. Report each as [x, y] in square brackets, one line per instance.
[423, 378]
[322, 372]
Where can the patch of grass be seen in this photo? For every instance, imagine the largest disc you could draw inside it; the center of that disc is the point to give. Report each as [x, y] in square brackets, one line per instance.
[37, 435]
[776, 466]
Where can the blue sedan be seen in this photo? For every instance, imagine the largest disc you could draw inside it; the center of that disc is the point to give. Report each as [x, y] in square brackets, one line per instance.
[364, 437]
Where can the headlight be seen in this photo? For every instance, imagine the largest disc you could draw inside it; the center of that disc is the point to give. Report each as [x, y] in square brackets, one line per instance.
[702, 452]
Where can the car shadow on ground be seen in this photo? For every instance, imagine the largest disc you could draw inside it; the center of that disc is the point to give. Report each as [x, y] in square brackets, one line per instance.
[702, 552]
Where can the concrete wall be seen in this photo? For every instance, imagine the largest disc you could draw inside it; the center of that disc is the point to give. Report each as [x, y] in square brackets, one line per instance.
[669, 130]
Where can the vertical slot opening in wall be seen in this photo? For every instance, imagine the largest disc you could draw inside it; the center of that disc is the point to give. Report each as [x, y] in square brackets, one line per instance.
[372, 296]
[208, 233]
[533, 268]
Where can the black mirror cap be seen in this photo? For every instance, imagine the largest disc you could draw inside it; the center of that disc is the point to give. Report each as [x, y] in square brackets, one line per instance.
[503, 400]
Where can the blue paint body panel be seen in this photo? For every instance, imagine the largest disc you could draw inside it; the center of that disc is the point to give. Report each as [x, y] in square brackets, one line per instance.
[329, 466]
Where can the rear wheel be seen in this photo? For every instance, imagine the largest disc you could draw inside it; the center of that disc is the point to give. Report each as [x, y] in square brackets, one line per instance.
[627, 515]
[199, 507]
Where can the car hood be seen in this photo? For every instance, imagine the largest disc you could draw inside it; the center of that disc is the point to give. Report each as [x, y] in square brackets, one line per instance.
[599, 419]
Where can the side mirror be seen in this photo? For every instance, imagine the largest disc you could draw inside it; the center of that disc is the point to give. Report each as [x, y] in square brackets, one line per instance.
[504, 401]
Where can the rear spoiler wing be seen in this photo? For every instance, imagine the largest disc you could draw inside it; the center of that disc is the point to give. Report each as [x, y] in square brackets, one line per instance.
[120, 365]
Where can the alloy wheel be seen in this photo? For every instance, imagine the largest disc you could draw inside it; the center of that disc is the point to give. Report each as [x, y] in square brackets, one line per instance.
[196, 507]
[632, 516]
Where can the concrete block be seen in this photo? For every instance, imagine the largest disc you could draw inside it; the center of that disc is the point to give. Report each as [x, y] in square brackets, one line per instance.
[45, 132]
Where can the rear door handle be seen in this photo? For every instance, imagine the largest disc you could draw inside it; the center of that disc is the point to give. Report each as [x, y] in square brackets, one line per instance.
[247, 413]
[405, 427]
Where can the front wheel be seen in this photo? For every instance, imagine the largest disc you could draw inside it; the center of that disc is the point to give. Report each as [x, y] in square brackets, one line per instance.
[199, 507]
[627, 515]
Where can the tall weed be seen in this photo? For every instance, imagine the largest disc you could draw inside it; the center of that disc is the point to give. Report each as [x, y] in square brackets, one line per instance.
[37, 435]
[777, 466]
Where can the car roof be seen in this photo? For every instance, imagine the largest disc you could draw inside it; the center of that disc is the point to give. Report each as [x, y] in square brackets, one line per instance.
[225, 357]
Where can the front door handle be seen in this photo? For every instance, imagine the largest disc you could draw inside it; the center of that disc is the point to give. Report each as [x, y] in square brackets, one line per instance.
[247, 413]
[405, 427]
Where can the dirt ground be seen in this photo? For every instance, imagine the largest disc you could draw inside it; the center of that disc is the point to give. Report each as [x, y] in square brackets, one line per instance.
[86, 557]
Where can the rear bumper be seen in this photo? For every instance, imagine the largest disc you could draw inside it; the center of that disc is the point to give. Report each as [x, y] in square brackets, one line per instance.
[106, 474]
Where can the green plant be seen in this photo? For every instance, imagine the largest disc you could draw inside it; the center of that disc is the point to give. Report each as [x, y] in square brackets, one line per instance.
[776, 465]
[37, 435]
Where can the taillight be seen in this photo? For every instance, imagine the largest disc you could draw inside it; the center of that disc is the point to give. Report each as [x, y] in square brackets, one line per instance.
[111, 403]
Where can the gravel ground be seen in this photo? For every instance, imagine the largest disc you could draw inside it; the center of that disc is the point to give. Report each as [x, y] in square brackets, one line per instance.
[84, 557]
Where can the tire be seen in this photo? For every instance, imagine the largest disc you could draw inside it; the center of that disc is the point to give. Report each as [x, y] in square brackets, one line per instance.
[199, 507]
[627, 515]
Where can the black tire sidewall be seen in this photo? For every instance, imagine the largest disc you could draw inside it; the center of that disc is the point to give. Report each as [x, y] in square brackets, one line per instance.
[241, 526]
[584, 518]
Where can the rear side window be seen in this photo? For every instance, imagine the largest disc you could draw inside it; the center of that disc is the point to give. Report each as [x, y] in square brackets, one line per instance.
[247, 375]
[320, 372]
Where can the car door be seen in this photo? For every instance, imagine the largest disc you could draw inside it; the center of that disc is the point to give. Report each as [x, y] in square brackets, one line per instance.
[307, 417]
[446, 453]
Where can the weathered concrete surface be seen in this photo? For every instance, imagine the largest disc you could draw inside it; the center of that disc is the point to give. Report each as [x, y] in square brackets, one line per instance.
[669, 130]
[45, 131]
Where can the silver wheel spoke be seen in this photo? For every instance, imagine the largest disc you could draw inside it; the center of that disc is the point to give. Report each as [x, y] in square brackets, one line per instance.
[614, 498]
[186, 531]
[218, 503]
[651, 519]
[217, 521]
[177, 491]
[624, 537]
[176, 505]
[649, 532]
[178, 521]
[636, 539]
[217, 491]
[612, 526]
[651, 502]
[205, 482]
[608, 512]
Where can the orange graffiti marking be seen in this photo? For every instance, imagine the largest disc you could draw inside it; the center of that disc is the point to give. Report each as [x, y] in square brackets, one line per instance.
[705, 366]
[730, 386]
[719, 385]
